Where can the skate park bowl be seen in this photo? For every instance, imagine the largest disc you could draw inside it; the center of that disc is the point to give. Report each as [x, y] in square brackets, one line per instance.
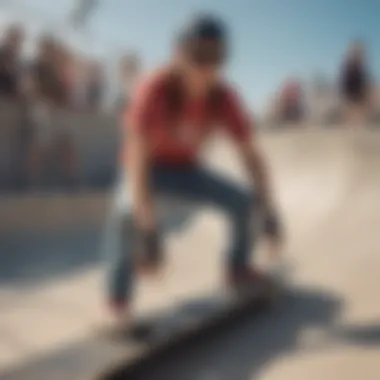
[327, 184]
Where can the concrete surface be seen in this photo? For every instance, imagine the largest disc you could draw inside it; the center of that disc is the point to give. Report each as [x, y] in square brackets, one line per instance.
[328, 186]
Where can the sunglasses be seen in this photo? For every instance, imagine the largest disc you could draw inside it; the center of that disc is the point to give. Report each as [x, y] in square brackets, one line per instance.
[206, 53]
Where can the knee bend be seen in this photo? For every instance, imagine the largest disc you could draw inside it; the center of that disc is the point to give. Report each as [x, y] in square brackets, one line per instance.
[242, 204]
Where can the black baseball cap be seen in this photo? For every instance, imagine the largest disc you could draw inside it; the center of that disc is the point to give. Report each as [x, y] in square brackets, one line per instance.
[204, 26]
[204, 38]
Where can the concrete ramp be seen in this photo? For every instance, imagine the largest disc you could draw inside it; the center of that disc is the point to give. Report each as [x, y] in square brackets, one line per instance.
[315, 173]
[328, 187]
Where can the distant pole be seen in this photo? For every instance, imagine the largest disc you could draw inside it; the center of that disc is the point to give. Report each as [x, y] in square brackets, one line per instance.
[81, 13]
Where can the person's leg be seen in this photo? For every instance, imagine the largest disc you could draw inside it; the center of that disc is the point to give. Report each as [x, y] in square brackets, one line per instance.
[365, 111]
[356, 110]
[194, 185]
[123, 240]
[119, 250]
[349, 112]
[358, 116]
[206, 187]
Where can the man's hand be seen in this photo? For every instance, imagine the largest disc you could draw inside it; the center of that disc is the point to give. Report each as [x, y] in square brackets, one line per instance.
[272, 226]
[256, 168]
[271, 230]
[150, 258]
[241, 128]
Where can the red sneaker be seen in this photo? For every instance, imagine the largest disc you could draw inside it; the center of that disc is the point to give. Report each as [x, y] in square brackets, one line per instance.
[117, 307]
[148, 268]
[245, 279]
[150, 260]
[118, 314]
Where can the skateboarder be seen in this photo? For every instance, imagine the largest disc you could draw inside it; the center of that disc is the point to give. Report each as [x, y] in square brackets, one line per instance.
[170, 117]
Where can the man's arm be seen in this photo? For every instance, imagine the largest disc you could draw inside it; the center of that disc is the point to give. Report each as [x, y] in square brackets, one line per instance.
[254, 163]
[241, 129]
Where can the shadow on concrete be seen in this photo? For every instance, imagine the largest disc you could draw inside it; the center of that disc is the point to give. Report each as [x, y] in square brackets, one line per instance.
[362, 335]
[27, 258]
[240, 351]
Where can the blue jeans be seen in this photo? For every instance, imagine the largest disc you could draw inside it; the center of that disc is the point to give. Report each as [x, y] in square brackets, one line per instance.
[193, 184]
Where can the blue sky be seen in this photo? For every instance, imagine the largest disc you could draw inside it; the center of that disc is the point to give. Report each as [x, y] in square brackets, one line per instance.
[272, 39]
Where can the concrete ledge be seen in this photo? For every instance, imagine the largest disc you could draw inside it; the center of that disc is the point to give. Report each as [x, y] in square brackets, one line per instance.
[51, 212]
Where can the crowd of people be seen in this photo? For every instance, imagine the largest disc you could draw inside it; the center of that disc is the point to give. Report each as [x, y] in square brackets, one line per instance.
[54, 74]
[352, 98]
[53, 81]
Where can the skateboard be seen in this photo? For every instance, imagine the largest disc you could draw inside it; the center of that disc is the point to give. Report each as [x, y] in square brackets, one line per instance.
[163, 330]
[192, 314]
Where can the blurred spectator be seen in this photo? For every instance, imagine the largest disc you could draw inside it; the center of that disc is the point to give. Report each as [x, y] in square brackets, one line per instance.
[355, 85]
[45, 74]
[49, 90]
[10, 62]
[288, 104]
[129, 71]
[79, 89]
[66, 68]
[292, 107]
[95, 86]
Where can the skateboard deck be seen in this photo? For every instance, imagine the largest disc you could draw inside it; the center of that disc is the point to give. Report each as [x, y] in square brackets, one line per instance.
[120, 353]
[160, 326]
[160, 332]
